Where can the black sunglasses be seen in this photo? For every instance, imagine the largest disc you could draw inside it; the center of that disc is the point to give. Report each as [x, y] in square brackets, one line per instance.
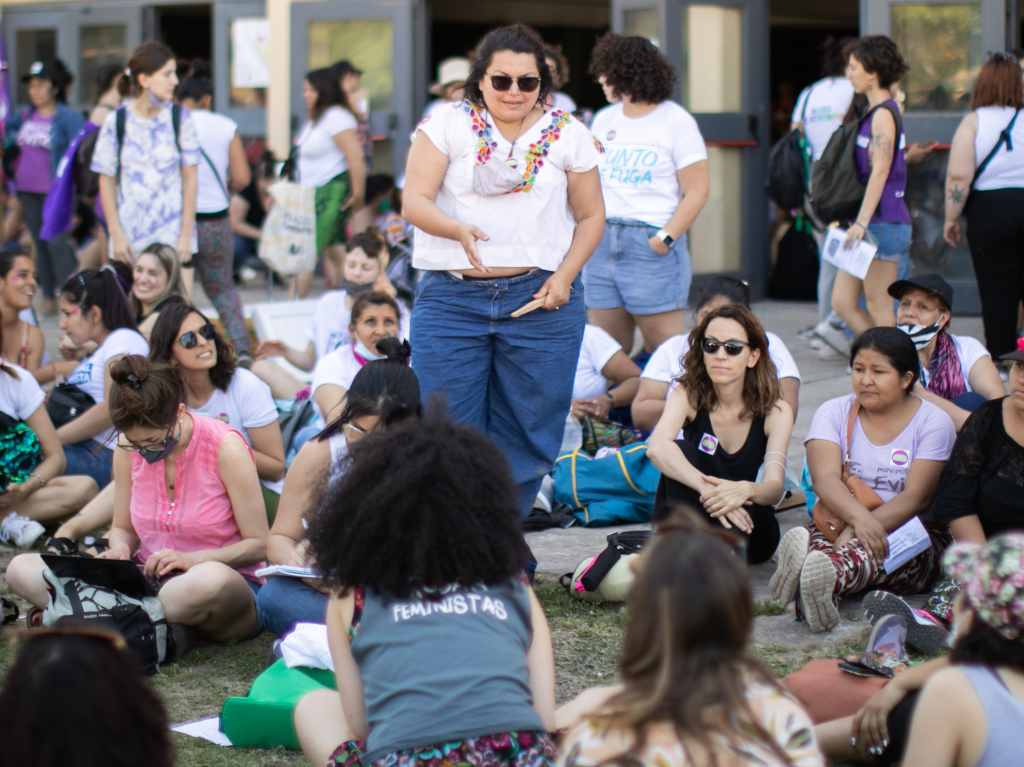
[190, 340]
[527, 84]
[732, 347]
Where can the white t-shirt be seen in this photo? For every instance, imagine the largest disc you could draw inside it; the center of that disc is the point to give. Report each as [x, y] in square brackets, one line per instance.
[665, 364]
[1006, 170]
[641, 158]
[530, 228]
[969, 350]
[331, 319]
[598, 347]
[19, 397]
[338, 367]
[215, 135]
[89, 375]
[827, 101]
[320, 160]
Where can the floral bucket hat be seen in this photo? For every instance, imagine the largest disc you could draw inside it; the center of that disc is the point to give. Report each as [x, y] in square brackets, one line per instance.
[991, 576]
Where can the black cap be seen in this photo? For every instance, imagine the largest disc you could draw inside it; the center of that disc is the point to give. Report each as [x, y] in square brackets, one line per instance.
[1017, 355]
[929, 283]
[44, 70]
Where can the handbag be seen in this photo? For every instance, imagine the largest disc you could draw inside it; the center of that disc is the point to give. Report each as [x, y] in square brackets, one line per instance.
[66, 403]
[827, 522]
[613, 490]
[288, 241]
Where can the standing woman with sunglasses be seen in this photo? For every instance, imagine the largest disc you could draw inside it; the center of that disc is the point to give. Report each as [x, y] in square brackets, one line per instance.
[730, 408]
[506, 201]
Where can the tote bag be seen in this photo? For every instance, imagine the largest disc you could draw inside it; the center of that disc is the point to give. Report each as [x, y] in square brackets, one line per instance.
[288, 243]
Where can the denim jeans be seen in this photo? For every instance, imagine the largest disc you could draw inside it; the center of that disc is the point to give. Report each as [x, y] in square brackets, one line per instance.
[510, 378]
[282, 602]
[90, 458]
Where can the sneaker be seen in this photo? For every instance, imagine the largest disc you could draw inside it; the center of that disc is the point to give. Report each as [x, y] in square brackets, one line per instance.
[817, 586]
[834, 337]
[807, 334]
[20, 531]
[791, 555]
[925, 633]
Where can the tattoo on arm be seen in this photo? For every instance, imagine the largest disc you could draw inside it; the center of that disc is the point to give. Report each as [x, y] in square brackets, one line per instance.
[881, 143]
[957, 194]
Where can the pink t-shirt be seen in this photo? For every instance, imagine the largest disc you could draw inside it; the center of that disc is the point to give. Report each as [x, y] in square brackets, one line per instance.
[201, 516]
[929, 437]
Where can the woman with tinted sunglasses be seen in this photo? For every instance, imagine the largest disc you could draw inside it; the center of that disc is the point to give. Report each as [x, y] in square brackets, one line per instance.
[729, 406]
[506, 202]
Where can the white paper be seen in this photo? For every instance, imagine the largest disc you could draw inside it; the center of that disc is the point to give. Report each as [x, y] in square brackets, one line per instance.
[855, 261]
[250, 62]
[207, 729]
[905, 543]
[289, 571]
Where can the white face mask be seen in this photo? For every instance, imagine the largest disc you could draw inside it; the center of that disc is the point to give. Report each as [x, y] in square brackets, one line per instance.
[919, 334]
[366, 354]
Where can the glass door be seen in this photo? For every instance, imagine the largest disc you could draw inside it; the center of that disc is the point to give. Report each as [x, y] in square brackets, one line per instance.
[720, 52]
[377, 37]
[102, 36]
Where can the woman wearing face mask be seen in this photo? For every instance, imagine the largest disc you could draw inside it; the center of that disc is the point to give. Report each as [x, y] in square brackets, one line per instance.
[148, 185]
[383, 394]
[156, 282]
[23, 342]
[42, 135]
[729, 408]
[957, 372]
[187, 507]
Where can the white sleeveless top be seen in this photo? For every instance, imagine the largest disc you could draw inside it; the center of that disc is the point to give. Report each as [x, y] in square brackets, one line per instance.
[1006, 171]
[215, 135]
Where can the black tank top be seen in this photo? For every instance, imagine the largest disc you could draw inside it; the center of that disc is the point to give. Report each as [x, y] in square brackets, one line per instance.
[742, 465]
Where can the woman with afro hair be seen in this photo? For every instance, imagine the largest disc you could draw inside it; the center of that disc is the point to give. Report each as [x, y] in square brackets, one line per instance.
[654, 175]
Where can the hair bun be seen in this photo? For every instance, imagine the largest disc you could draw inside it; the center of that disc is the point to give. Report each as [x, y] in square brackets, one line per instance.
[131, 370]
[395, 350]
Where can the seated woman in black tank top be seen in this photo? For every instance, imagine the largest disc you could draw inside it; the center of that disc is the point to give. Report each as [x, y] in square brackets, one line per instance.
[729, 406]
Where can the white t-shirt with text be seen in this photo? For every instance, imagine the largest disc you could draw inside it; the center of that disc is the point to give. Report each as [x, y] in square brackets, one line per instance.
[320, 160]
[827, 101]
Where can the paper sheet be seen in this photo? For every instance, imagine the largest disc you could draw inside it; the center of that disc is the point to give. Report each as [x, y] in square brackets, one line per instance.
[855, 261]
[288, 571]
[207, 729]
[905, 543]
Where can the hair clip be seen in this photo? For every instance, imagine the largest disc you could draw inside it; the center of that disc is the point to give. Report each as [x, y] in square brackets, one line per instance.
[134, 381]
[127, 71]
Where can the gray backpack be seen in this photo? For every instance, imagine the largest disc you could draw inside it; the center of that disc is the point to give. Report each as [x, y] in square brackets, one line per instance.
[105, 591]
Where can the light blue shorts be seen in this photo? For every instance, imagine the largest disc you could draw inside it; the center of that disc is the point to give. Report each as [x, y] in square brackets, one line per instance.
[625, 273]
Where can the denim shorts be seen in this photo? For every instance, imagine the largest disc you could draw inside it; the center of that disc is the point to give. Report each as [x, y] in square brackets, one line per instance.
[91, 458]
[625, 273]
[893, 240]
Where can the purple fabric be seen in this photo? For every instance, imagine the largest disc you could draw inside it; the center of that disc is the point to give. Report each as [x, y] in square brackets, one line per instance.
[5, 91]
[33, 172]
[892, 208]
[59, 208]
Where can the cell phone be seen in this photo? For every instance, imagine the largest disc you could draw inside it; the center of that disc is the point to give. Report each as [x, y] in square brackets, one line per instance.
[856, 668]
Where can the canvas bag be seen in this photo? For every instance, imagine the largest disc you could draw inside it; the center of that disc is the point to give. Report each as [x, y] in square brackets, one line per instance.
[288, 242]
[615, 489]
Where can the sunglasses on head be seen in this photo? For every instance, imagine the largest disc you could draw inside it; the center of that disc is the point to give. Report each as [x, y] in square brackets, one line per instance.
[190, 340]
[732, 347]
[527, 84]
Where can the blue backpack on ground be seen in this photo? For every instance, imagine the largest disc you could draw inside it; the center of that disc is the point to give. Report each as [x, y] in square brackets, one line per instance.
[615, 489]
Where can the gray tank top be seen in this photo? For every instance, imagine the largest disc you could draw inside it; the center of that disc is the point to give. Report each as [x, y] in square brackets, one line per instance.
[451, 668]
[1004, 715]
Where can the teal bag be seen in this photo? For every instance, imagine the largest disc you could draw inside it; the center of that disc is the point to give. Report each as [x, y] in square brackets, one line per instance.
[616, 489]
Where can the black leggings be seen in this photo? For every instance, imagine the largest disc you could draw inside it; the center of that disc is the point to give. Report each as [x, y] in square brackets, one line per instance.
[995, 233]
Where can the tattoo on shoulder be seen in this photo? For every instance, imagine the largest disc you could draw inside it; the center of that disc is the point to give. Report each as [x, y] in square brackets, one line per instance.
[881, 142]
[957, 194]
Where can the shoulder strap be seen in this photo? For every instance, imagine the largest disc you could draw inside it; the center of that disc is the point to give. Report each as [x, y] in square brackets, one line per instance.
[120, 120]
[850, 421]
[176, 124]
[216, 175]
[803, 109]
[897, 118]
[1004, 138]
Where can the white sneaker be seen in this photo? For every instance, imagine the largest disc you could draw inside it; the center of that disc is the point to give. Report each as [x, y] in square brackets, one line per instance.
[817, 585]
[20, 531]
[834, 337]
[791, 554]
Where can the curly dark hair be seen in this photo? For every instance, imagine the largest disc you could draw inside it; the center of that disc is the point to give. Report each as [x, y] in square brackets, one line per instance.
[761, 389]
[426, 504]
[165, 334]
[517, 38]
[633, 67]
[982, 645]
[878, 55]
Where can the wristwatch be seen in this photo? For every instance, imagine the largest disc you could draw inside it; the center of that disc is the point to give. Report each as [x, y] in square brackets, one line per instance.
[666, 238]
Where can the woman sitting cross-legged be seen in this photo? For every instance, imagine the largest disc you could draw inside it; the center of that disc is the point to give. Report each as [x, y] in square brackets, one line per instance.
[384, 393]
[895, 443]
[187, 506]
[441, 650]
[689, 691]
[730, 408]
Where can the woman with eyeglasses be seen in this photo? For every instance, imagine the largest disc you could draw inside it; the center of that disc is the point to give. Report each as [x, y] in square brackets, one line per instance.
[506, 203]
[383, 394]
[888, 446]
[187, 507]
[666, 364]
[654, 177]
[985, 182]
[730, 409]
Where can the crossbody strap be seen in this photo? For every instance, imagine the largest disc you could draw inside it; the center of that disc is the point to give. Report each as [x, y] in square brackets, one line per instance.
[850, 421]
[1004, 138]
[216, 175]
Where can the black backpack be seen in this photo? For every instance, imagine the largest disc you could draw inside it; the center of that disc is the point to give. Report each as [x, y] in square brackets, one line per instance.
[795, 276]
[789, 166]
[836, 188]
[121, 120]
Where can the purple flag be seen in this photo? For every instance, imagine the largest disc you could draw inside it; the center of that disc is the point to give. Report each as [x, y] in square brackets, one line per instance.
[5, 89]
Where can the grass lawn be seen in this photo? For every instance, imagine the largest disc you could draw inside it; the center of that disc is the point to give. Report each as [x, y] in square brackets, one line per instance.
[586, 639]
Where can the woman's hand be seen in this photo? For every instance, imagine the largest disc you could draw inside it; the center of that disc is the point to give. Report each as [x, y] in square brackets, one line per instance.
[596, 408]
[657, 245]
[870, 725]
[184, 249]
[120, 248]
[725, 496]
[271, 348]
[467, 236]
[384, 285]
[854, 234]
[116, 551]
[555, 291]
[738, 519]
[951, 232]
[873, 535]
[166, 561]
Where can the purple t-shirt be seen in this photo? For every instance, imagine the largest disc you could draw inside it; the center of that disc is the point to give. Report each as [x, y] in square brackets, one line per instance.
[33, 173]
[929, 437]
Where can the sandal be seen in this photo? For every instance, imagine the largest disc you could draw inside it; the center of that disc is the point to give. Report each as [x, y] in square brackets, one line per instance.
[64, 547]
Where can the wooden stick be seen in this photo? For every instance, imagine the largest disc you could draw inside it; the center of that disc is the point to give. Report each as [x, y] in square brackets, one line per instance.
[537, 303]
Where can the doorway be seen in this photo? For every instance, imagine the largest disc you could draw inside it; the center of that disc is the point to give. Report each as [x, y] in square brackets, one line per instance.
[187, 29]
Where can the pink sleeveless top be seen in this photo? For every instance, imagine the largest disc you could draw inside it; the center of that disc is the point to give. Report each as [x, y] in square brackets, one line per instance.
[201, 516]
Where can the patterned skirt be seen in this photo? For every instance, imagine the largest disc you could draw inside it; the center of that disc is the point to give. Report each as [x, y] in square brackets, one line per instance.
[506, 749]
